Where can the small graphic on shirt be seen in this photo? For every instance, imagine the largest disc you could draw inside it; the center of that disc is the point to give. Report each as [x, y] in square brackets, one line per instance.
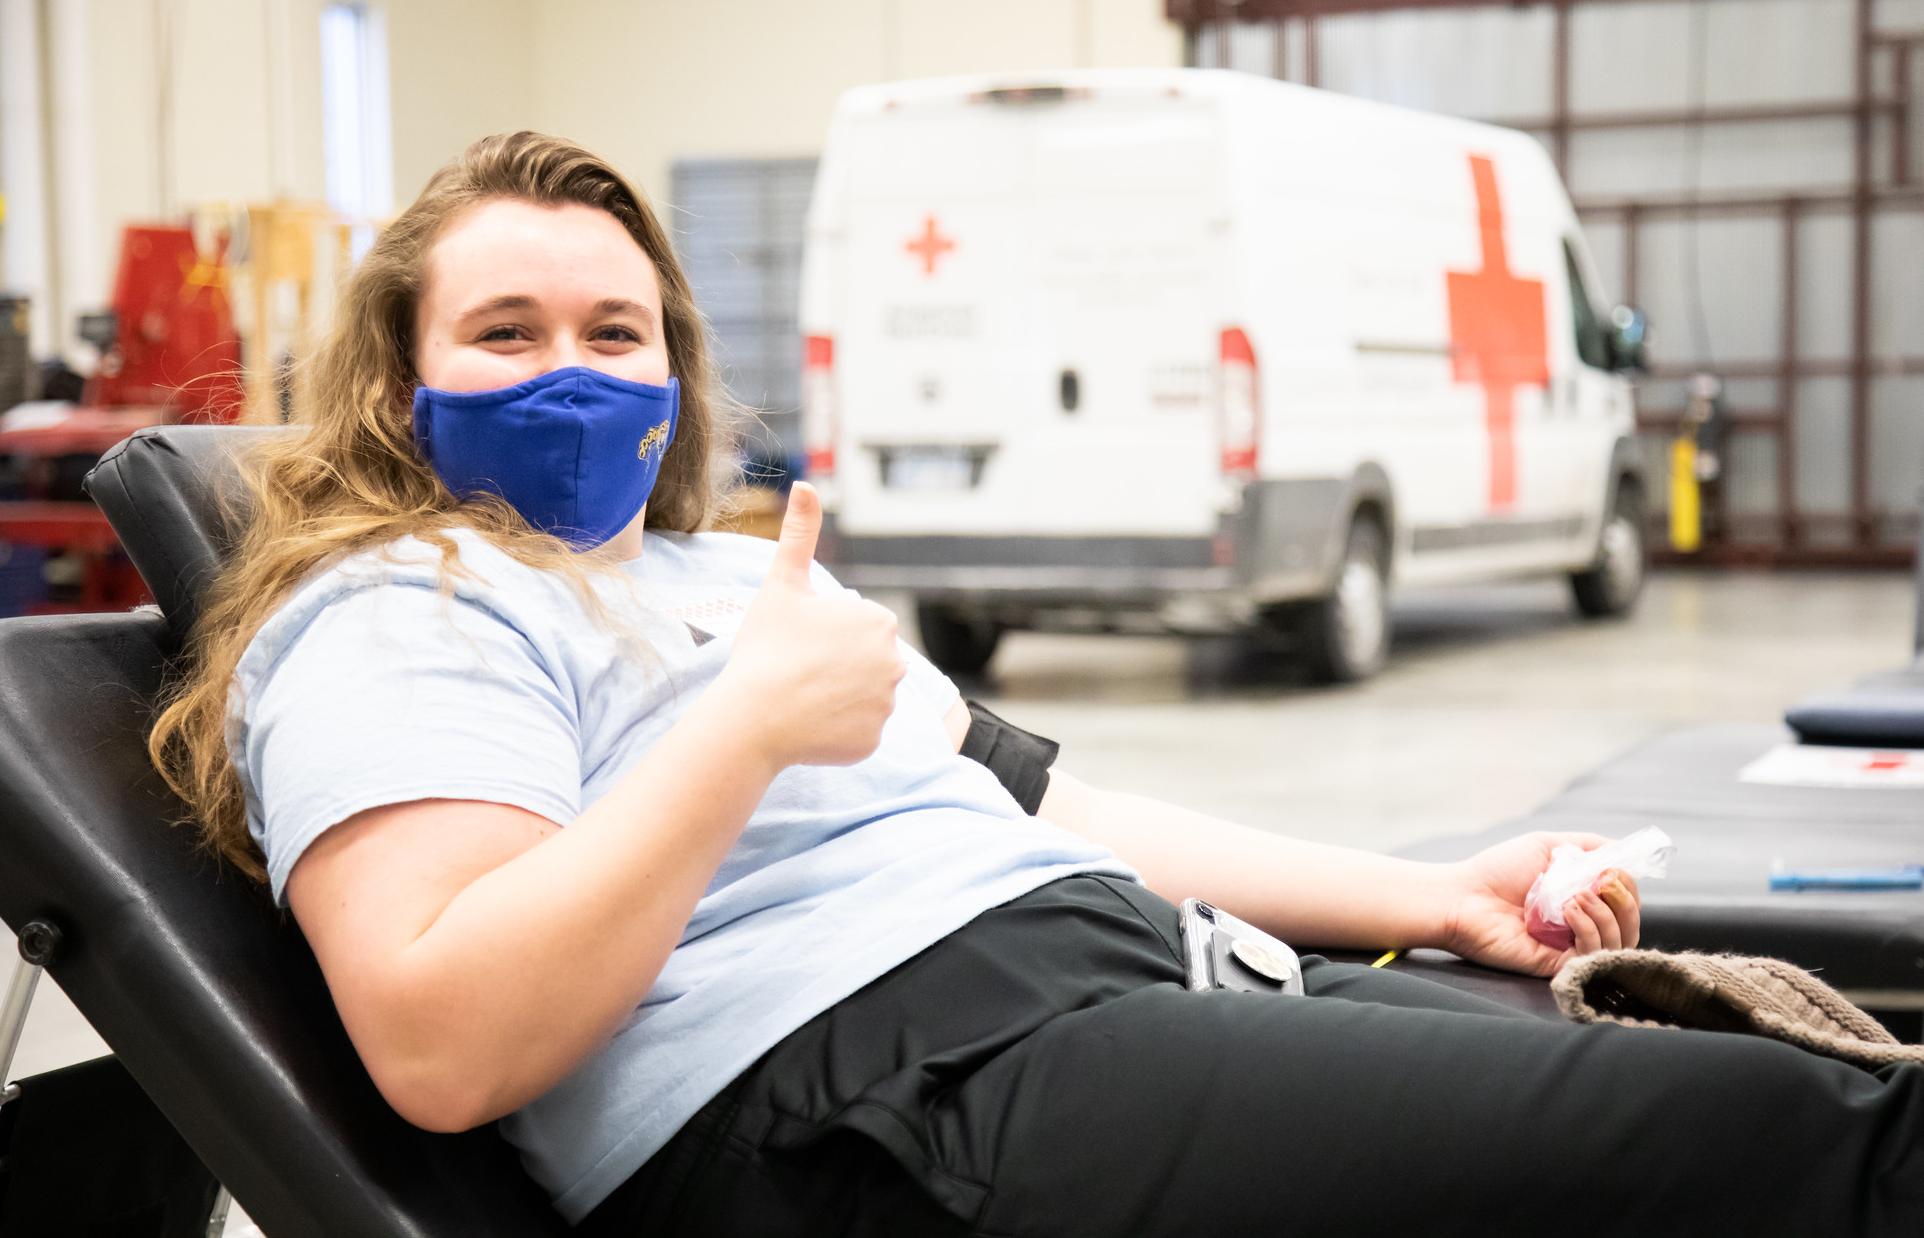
[712, 615]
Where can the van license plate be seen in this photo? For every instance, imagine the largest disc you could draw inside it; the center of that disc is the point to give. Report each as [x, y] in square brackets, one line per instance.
[930, 468]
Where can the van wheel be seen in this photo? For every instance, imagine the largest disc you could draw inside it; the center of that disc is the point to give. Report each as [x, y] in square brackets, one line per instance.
[1611, 586]
[1346, 636]
[956, 641]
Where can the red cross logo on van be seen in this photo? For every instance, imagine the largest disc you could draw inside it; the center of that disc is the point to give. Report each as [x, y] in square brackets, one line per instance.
[1497, 333]
[930, 245]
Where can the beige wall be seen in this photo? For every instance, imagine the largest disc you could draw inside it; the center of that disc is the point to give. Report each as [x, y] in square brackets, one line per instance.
[241, 118]
[233, 95]
[187, 102]
[643, 81]
[457, 70]
[646, 82]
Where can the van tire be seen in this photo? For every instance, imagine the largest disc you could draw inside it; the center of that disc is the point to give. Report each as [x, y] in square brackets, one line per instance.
[957, 642]
[1610, 587]
[1345, 637]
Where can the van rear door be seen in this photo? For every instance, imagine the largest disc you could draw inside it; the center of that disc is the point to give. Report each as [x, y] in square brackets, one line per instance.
[1034, 300]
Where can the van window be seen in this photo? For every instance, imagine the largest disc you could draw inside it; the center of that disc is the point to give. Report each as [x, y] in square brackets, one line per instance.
[1592, 347]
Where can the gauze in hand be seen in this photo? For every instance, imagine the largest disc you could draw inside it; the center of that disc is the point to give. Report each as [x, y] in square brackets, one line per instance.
[1573, 870]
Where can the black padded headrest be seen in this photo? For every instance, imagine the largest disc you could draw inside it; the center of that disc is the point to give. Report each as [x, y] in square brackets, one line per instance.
[206, 992]
[164, 491]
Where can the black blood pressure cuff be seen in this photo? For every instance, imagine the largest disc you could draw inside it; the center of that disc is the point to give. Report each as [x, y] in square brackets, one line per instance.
[1019, 760]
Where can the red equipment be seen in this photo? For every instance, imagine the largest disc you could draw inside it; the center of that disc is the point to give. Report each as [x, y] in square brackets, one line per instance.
[174, 343]
[169, 352]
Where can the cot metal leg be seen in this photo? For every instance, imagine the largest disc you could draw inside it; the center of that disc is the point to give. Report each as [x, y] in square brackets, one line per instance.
[39, 942]
[13, 1022]
[217, 1219]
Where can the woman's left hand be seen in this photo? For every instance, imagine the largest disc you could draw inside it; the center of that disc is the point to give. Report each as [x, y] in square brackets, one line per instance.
[1487, 891]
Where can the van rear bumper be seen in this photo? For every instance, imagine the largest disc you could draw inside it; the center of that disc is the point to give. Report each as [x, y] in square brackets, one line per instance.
[1282, 544]
[1042, 570]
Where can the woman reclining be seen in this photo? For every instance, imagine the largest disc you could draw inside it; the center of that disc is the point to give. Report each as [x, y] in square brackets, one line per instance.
[654, 845]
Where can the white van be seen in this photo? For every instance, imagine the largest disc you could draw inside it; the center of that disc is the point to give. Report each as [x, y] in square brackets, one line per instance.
[1205, 349]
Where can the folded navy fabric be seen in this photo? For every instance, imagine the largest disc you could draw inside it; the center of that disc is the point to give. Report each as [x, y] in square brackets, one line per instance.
[1883, 711]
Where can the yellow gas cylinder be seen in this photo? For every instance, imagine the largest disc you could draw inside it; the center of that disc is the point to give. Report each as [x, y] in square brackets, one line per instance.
[1686, 498]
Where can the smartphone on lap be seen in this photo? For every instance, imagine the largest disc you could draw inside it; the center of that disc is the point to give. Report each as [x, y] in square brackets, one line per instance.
[1222, 952]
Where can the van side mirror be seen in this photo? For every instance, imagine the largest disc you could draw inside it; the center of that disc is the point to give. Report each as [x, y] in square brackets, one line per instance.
[1628, 328]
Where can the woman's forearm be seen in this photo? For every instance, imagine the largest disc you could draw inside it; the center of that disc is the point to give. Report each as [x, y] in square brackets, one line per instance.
[532, 966]
[1309, 894]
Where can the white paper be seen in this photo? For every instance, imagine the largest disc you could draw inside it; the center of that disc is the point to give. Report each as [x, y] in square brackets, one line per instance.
[1812, 765]
[36, 414]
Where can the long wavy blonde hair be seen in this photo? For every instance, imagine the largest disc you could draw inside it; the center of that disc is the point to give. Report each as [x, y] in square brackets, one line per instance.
[352, 480]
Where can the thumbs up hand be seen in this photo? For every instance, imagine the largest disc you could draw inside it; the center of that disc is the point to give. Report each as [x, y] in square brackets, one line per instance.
[795, 550]
[821, 669]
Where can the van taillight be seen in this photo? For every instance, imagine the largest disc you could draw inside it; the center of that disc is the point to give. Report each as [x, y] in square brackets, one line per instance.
[818, 404]
[1239, 411]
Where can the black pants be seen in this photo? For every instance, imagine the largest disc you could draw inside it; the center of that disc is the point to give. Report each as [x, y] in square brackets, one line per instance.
[1043, 1072]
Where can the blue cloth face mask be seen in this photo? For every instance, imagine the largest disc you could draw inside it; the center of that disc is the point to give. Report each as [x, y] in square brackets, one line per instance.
[575, 451]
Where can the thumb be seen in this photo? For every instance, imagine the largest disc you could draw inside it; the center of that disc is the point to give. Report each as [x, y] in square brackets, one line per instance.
[795, 550]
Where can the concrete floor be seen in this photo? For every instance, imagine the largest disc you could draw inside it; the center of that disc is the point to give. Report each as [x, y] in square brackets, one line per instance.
[1494, 699]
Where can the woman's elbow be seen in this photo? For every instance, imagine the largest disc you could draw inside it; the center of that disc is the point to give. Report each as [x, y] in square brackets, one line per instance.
[433, 1071]
[438, 1094]
[436, 1118]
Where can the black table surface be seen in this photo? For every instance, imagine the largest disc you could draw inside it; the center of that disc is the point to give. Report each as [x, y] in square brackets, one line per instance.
[1729, 834]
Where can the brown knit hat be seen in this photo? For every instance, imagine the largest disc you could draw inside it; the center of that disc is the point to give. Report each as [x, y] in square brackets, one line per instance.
[1725, 993]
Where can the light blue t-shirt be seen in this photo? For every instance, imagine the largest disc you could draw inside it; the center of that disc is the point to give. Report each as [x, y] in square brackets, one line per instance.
[371, 687]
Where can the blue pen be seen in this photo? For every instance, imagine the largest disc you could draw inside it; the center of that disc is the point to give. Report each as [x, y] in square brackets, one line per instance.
[1909, 877]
